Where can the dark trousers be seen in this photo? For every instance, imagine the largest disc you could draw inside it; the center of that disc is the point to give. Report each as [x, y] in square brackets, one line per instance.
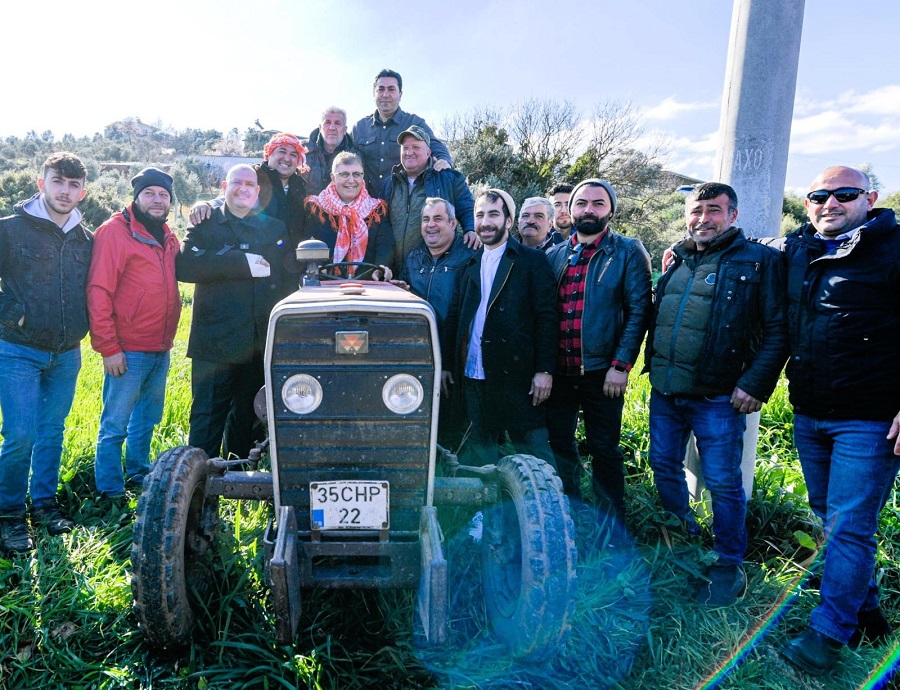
[222, 408]
[482, 447]
[602, 428]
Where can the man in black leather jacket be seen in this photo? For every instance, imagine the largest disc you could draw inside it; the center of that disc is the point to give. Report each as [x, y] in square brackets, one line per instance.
[603, 306]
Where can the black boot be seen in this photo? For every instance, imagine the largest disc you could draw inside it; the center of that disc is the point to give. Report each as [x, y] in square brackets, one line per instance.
[813, 652]
[871, 626]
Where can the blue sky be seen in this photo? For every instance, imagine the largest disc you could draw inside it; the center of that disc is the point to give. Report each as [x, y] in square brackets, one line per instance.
[224, 64]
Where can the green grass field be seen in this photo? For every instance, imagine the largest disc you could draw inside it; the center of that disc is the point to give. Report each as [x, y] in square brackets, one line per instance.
[66, 618]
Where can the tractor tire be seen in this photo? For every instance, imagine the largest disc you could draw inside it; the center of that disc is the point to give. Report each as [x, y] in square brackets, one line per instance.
[528, 558]
[174, 526]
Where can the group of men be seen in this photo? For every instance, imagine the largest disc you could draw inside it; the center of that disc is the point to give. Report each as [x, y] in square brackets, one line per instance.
[537, 329]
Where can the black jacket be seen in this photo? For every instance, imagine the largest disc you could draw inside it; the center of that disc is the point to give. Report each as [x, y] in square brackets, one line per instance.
[617, 300]
[745, 343]
[273, 202]
[319, 161]
[44, 274]
[844, 312]
[231, 308]
[520, 333]
[436, 279]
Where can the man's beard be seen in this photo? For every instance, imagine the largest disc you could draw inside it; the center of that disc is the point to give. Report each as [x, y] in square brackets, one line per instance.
[591, 225]
[148, 221]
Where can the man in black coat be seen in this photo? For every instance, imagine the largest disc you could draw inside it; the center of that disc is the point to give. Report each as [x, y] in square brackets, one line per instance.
[501, 337]
[237, 259]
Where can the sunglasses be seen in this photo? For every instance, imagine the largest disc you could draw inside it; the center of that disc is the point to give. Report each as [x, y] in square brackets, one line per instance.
[843, 195]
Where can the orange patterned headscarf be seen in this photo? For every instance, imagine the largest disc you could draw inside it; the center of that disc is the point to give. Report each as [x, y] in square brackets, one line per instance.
[287, 139]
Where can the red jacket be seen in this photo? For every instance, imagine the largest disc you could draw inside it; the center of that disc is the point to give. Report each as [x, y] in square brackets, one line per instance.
[132, 295]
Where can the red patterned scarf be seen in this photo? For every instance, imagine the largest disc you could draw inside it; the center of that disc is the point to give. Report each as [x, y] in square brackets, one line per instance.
[352, 233]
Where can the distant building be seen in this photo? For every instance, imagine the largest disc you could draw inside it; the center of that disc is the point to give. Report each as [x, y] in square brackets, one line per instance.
[218, 166]
[681, 183]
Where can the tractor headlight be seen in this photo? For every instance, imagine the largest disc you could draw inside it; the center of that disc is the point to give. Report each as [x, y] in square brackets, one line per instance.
[402, 393]
[301, 393]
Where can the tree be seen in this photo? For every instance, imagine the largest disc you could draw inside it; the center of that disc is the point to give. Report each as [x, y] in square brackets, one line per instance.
[16, 186]
[546, 134]
[109, 193]
[890, 201]
[255, 139]
[231, 145]
[186, 185]
[793, 213]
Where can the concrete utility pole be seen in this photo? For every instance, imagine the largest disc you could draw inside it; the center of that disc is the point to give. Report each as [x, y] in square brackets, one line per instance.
[755, 126]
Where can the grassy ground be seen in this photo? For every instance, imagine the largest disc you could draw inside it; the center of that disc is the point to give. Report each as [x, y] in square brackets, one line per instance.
[66, 620]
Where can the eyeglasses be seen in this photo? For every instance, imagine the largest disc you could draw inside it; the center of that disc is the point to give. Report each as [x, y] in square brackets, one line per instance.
[843, 195]
[346, 175]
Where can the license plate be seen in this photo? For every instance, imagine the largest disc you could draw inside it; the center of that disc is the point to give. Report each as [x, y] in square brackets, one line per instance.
[349, 505]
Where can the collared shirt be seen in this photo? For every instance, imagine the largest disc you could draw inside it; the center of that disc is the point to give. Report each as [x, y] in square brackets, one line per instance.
[832, 243]
[490, 261]
[571, 305]
[376, 141]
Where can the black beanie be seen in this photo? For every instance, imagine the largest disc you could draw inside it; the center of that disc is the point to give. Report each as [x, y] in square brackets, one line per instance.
[151, 177]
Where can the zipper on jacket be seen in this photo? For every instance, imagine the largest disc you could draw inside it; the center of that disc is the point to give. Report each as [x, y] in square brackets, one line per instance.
[677, 325]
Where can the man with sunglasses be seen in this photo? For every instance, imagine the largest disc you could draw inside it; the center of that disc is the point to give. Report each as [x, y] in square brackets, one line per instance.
[844, 372]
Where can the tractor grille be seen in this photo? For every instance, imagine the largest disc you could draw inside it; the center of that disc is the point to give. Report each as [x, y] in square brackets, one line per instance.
[352, 434]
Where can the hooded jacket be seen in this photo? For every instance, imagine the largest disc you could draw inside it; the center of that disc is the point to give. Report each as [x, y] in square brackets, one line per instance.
[132, 295]
[44, 272]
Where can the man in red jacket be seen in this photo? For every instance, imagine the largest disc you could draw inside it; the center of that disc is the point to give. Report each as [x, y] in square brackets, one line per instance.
[133, 306]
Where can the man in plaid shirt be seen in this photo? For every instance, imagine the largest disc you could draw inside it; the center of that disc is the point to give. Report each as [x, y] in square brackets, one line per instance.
[603, 302]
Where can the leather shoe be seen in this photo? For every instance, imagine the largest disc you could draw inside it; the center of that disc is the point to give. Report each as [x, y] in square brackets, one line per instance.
[50, 515]
[812, 652]
[727, 584]
[871, 626]
[14, 536]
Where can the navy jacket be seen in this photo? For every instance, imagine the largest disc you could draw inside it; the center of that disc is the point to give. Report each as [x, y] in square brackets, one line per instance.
[844, 314]
[436, 279]
[231, 308]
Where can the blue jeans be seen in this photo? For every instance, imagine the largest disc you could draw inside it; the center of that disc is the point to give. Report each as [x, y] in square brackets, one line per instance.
[719, 430]
[36, 393]
[849, 467]
[132, 406]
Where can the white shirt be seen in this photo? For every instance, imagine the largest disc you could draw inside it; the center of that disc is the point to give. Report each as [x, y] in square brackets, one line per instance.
[490, 261]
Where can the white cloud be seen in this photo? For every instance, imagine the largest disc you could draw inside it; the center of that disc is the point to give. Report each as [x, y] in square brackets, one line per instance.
[670, 109]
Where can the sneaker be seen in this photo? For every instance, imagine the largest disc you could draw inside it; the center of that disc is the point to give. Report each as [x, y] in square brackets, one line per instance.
[476, 527]
[14, 536]
[50, 515]
[727, 584]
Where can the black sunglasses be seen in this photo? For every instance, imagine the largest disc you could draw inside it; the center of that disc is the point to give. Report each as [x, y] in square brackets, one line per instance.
[843, 195]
